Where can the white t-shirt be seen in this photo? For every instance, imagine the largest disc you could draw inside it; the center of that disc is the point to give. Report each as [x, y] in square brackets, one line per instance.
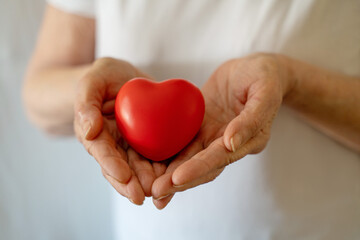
[303, 185]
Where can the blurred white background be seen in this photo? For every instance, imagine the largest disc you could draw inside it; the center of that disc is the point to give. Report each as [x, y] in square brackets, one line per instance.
[49, 188]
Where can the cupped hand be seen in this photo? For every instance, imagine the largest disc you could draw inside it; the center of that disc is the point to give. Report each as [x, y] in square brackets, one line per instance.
[95, 127]
[242, 97]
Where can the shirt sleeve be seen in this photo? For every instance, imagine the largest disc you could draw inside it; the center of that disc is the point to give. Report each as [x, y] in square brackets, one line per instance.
[80, 7]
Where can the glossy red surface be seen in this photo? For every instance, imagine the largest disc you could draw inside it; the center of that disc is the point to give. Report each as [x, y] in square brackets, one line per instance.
[159, 119]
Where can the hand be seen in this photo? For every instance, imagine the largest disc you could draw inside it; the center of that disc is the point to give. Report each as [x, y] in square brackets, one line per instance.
[95, 126]
[242, 98]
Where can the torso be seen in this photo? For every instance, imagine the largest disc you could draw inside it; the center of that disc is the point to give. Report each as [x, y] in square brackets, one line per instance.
[304, 185]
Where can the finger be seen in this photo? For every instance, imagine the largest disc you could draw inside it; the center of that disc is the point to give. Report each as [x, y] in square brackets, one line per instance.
[143, 170]
[162, 202]
[210, 176]
[192, 149]
[159, 168]
[131, 190]
[112, 159]
[88, 105]
[163, 185]
[88, 121]
[259, 111]
[108, 107]
[99, 85]
[212, 159]
[169, 188]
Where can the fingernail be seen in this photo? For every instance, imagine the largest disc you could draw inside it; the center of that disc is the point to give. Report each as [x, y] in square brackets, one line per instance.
[232, 144]
[132, 201]
[86, 128]
[162, 197]
[178, 186]
[235, 142]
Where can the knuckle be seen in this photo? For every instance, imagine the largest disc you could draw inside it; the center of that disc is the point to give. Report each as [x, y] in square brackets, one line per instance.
[264, 59]
[205, 165]
[235, 157]
[256, 126]
[102, 148]
[259, 148]
[89, 146]
[211, 177]
[105, 61]
[259, 143]
[99, 147]
[230, 62]
[110, 63]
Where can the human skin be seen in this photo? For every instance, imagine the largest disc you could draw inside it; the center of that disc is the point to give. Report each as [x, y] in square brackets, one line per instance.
[67, 91]
[63, 71]
[242, 98]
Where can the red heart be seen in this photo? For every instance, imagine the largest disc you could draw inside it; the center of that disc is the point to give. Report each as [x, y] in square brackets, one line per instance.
[159, 119]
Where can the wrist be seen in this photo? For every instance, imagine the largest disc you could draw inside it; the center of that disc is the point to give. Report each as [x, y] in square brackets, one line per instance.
[285, 70]
[288, 76]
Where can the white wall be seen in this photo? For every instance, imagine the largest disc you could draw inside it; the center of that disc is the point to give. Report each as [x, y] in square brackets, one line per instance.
[49, 188]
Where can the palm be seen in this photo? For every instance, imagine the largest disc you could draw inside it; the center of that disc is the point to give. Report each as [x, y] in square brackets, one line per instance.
[143, 171]
[242, 97]
[220, 109]
[95, 126]
[217, 116]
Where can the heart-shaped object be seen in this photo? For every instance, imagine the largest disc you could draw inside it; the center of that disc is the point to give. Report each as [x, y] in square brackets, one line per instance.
[159, 119]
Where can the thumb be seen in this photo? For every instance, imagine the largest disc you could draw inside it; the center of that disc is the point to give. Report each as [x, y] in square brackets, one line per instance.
[88, 105]
[101, 83]
[254, 119]
[90, 121]
[240, 130]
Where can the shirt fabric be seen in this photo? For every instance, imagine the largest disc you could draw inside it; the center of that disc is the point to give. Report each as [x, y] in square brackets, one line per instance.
[304, 185]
